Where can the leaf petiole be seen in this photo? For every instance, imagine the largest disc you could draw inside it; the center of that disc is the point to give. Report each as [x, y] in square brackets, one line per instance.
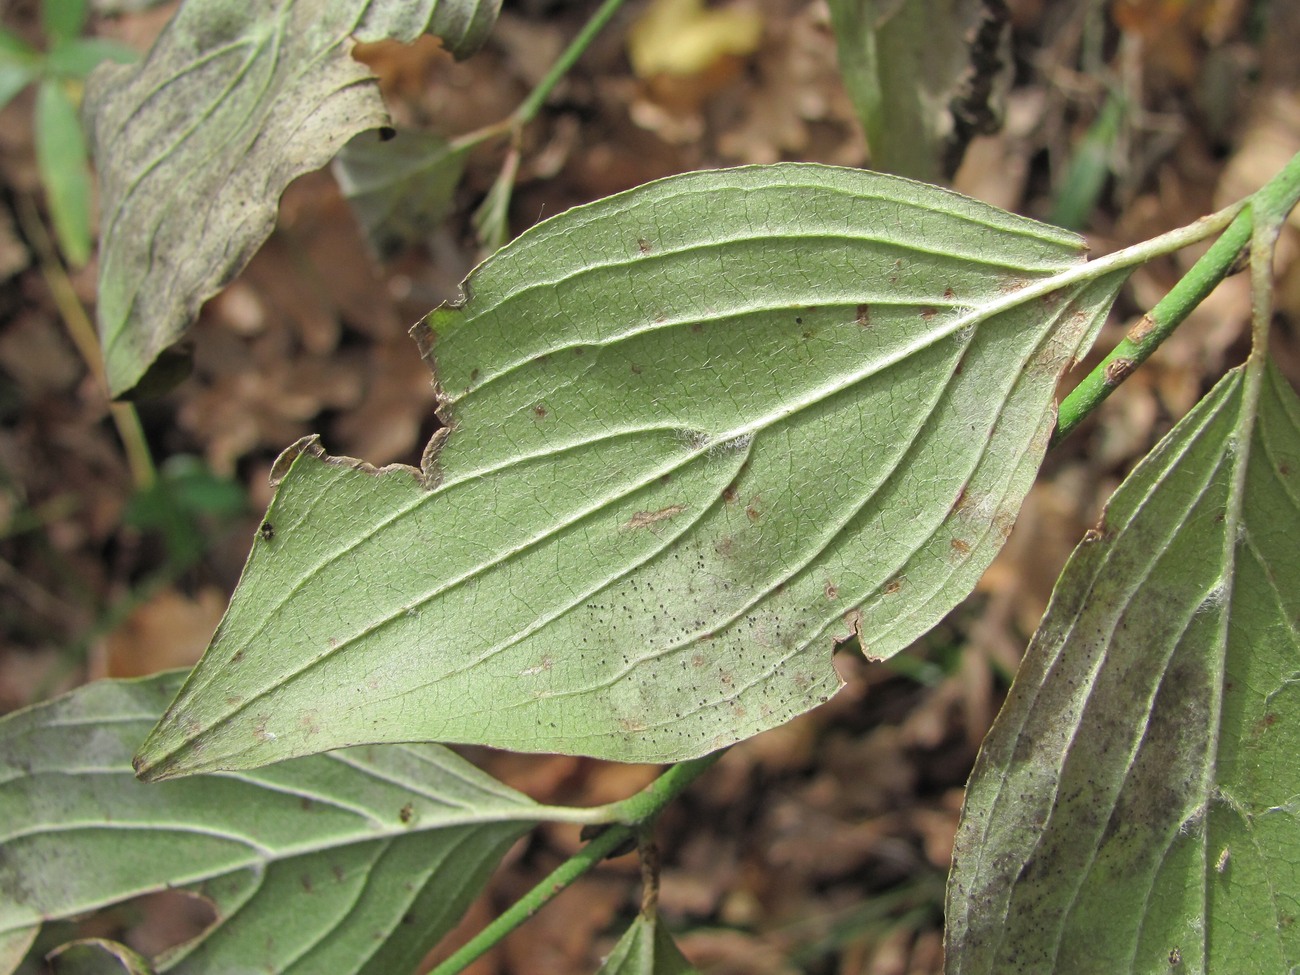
[1271, 204]
[630, 816]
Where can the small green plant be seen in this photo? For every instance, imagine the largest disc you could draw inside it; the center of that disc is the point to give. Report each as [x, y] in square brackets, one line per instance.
[694, 435]
[59, 72]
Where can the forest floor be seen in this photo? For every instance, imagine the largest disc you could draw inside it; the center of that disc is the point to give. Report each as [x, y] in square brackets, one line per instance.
[821, 846]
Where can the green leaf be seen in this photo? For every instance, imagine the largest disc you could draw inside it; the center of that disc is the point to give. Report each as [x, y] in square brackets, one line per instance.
[80, 56]
[257, 94]
[356, 861]
[98, 956]
[908, 65]
[697, 433]
[64, 19]
[492, 218]
[20, 65]
[400, 188]
[646, 949]
[181, 504]
[61, 160]
[1135, 807]
[1090, 167]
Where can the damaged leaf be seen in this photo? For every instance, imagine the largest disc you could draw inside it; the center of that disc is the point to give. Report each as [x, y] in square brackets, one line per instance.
[1135, 805]
[255, 95]
[356, 861]
[696, 433]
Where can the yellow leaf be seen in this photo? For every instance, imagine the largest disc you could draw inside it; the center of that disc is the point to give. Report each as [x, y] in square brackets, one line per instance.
[683, 37]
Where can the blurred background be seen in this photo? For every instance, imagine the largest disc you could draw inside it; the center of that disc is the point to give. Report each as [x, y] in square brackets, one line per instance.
[822, 846]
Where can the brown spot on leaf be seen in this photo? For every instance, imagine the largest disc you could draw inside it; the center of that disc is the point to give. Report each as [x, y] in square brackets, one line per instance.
[831, 590]
[643, 518]
[928, 312]
[1004, 521]
[636, 370]
[730, 495]
[959, 546]
[752, 510]
[1263, 724]
[698, 660]
[406, 813]
[643, 245]
[949, 294]
[959, 503]
[697, 327]
[725, 546]
[539, 411]
[892, 586]
[863, 317]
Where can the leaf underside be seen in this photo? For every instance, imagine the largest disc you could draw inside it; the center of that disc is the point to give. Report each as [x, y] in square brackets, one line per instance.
[697, 433]
[400, 189]
[1135, 807]
[357, 861]
[195, 144]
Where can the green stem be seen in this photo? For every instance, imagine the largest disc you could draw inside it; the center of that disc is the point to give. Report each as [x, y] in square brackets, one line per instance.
[512, 124]
[1154, 327]
[531, 105]
[1273, 202]
[82, 332]
[630, 815]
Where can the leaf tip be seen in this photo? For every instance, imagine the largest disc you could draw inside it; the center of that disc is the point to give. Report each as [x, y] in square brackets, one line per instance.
[305, 445]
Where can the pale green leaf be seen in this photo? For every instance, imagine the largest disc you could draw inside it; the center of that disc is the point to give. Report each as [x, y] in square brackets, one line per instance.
[400, 188]
[356, 861]
[1135, 807]
[255, 95]
[80, 56]
[646, 949]
[924, 76]
[698, 432]
[115, 8]
[492, 218]
[62, 162]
